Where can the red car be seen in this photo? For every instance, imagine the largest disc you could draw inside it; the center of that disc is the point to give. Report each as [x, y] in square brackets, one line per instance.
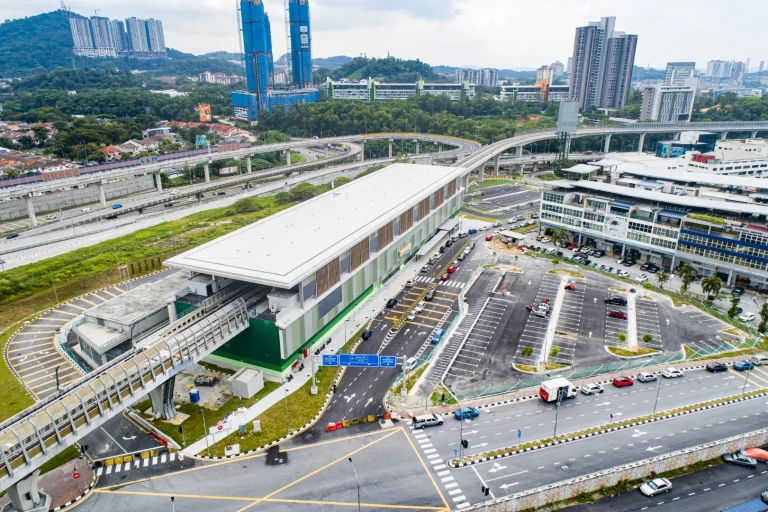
[445, 277]
[570, 286]
[572, 245]
[617, 314]
[620, 382]
[488, 238]
[757, 453]
[451, 269]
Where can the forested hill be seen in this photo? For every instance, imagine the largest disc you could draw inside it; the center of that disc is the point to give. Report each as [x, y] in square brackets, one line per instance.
[386, 70]
[35, 44]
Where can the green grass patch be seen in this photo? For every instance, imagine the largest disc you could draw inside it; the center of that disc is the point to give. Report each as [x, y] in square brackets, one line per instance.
[487, 183]
[639, 351]
[69, 454]
[216, 368]
[528, 229]
[525, 368]
[436, 398]
[566, 272]
[13, 396]
[193, 426]
[707, 218]
[554, 366]
[547, 176]
[473, 216]
[410, 381]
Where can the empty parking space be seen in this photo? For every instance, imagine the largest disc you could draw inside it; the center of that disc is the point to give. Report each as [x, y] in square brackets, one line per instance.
[535, 329]
[647, 321]
[568, 325]
[479, 336]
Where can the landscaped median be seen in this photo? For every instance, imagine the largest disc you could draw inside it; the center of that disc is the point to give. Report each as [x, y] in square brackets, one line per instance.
[595, 431]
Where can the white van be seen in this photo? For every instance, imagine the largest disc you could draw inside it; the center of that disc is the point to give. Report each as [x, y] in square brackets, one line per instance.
[427, 420]
[759, 360]
[410, 363]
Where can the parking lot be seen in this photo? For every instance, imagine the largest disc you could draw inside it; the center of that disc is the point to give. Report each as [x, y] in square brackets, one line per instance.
[535, 330]
[512, 198]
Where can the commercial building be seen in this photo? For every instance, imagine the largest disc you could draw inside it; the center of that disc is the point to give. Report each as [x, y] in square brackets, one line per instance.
[207, 77]
[259, 95]
[669, 102]
[322, 257]
[488, 77]
[301, 43]
[542, 93]
[371, 90]
[602, 65]
[717, 237]
[689, 141]
[678, 72]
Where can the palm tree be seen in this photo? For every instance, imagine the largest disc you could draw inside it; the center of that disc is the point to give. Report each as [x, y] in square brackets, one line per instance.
[763, 317]
[661, 278]
[712, 285]
[559, 237]
[687, 272]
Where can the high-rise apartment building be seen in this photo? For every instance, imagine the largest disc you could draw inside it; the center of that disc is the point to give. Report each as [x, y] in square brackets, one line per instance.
[102, 37]
[569, 65]
[678, 72]
[137, 34]
[301, 43]
[80, 27]
[155, 36]
[669, 102]
[488, 77]
[719, 68]
[601, 69]
[256, 34]
[120, 36]
[558, 69]
[545, 74]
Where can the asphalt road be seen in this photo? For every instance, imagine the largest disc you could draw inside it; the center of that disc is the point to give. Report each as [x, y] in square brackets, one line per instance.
[708, 490]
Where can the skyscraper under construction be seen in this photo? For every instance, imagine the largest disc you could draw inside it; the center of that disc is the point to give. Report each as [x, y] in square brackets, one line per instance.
[301, 42]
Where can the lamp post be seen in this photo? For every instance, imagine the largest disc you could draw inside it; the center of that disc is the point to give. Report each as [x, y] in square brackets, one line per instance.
[746, 379]
[358, 483]
[287, 417]
[205, 431]
[557, 412]
[658, 390]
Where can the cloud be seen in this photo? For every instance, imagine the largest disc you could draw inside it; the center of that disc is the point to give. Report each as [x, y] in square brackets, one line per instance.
[426, 9]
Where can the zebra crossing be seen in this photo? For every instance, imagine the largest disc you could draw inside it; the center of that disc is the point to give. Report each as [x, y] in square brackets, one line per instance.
[446, 284]
[447, 481]
[136, 464]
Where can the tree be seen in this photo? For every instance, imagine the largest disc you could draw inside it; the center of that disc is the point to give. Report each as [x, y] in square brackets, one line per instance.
[763, 317]
[687, 272]
[735, 299]
[6, 143]
[711, 287]
[41, 134]
[661, 278]
[622, 337]
[25, 141]
[555, 261]
[526, 352]
[554, 352]
[560, 237]
[647, 338]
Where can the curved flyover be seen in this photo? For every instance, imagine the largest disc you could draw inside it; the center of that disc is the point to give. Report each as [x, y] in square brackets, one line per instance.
[522, 139]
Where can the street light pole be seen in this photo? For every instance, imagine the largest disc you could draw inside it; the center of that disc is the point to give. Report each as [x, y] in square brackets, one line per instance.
[205, 431]
[557, 413]
[358, 483]
[287, 417]
[658, 390]
[745, 382]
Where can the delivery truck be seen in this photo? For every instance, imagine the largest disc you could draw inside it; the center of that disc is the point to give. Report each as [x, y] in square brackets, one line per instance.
[551, 389]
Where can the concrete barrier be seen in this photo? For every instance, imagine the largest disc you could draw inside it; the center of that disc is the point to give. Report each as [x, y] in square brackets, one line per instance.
[566, 489]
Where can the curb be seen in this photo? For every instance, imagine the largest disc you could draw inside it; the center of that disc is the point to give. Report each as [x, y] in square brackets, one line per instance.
[605, 431]
[77, 498]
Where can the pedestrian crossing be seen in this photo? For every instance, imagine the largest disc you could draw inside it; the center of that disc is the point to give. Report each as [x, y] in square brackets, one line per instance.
[136, 464]
[447, 481]
[445, 284]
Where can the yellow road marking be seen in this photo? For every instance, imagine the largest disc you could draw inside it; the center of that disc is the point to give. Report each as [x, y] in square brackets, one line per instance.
[21, 342]
[447, 293]
[104, 299]
[42, 325]
[81, 308]
[65, 312]
[241, 459]
[750, 378]
[118, 288]
[346, 456]
[450, 301]
[49, 375]
[426, 470]
[87, 301]
[348, 504]
[62, 383]
[108, 293]
[62, 320]
[36, 332]
[38, 359]
[25, 355]
[25, 375]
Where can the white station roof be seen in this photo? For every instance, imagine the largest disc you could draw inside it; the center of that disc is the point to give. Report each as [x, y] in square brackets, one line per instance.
[723, 180]
[285, 248]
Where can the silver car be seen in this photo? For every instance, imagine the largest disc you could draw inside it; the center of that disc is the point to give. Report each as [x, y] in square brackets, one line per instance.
[656, 486]
[646, 377]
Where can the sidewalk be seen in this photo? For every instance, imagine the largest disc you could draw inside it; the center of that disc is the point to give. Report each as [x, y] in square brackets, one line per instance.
[369, 308]
[60, 485]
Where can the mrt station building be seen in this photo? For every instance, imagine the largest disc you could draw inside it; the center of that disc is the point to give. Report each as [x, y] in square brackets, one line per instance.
[321, 258]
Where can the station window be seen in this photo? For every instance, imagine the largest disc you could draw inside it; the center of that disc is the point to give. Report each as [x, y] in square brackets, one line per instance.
[374, 242]
[310, 289]
[344, 263]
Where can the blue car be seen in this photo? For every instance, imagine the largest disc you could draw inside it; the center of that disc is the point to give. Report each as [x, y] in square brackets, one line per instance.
[472, 231]
[466, 413]
[117, 206]
[742, 366]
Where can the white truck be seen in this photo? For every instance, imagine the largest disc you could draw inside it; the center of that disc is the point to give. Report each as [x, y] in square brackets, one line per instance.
[550, 388]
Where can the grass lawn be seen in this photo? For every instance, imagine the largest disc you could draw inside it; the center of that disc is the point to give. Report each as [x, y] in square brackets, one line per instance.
[488, 183]
[640, 351]
[68, 454]
[478, 217]
[527, 229]
[547, 176]
[13, 396]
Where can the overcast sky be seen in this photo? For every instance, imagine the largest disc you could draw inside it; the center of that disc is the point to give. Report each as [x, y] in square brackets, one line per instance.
[519, 34]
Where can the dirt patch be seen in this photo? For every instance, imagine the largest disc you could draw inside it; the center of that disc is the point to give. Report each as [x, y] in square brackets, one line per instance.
[566, 272]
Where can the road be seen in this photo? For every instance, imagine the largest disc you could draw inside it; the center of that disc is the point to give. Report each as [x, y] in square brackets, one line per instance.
[711, 489]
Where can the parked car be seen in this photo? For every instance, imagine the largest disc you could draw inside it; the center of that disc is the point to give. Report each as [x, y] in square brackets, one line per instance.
[759, 360]
[621, 382]
[656, 486]
[591, 389]
[445, 277]
[117, 206]
[412, 315]
[641, 278]
[570, 285]
[424, 269]
[488, 238]
[473, 231]
[599, 253]
[645, 266]
[628, 263]
[717, 367]
[168, 204]
[747, 317]
[646, 377]
[452, 269]
[391, 303]
[672, 373]
[420, 306]
[546, 240]
[616, 300]
[617, 314]
[741, 366]
[11, 236]
[409, 283]
[740, 458]
[50, 216]
[466, 413]
[738, 290]
[430, 295]
[571, 245]
[367, 334]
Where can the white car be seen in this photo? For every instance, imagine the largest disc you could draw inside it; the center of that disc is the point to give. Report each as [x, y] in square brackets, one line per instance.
[191, 199]
[412, 315]
[641, 278]
[672, 373]
[623, 273]
[759, 360]
[174, 192]
[484, 228]
[409, 283]
[656, 486]
[50, 217]
[495, 233]
[591, 389]
[646, 377]
[546, 240]
[420, 306]
[747, 317]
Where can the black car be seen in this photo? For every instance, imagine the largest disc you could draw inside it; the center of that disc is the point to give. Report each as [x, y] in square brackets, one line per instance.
[430, 295]
[628, 263]
[168, 205]
[738, 290]
[391, 303]
[367, 334]
[222, 193]
[12, 235]
[740, 459]
[653, 269]
[442, 249]
[645, 266]
[717, 367]
[616, 300]
[599, 253]
[449, 243]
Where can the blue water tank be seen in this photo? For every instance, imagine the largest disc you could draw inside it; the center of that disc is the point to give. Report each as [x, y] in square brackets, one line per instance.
[194, 395]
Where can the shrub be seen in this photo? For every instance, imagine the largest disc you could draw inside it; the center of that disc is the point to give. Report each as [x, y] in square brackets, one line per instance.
[622, 337]
[554, 352]
[647, 338]
[526, 352]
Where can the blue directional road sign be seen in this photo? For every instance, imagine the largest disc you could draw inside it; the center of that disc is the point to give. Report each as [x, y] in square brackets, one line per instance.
[388, 361]
[359, 360]
[330, 360]
[519, 434]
